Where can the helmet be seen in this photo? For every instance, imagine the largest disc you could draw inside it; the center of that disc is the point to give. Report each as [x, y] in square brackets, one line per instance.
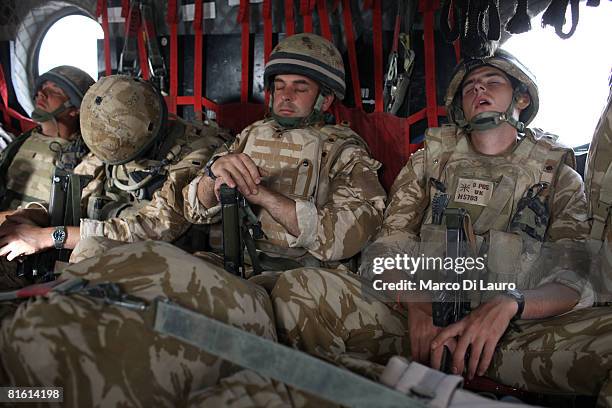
[121, 117]
[72, 80]
[507, 63]
[309, 55]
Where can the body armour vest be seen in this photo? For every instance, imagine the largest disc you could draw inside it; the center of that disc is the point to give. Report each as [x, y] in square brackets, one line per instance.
[29, 175]
[490, 189]
[295, 163]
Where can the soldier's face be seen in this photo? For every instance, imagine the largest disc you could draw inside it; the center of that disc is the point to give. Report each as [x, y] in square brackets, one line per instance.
[485, 89]
[294, 95]
[49, 97]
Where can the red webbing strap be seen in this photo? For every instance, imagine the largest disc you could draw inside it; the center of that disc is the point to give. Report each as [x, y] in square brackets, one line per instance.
[378, 55]
[324, 19]
[350, 43]
[197, 64]
[289, 18]
[456, 43]
[25, 124]
[267, 16]
[125, 8]
[142, 53]
[428, 7]
[306, 12]
[102, 11]
[243, 20]
[172, 20]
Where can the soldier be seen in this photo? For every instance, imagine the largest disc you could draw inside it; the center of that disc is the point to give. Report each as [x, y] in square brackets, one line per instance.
[140, 161]
[560, 344]
[28, 162]
[314, 183]
[298, 168]
[56, 142]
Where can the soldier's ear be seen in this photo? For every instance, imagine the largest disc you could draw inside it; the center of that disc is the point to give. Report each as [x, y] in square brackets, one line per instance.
[523, 101]
[327, 101]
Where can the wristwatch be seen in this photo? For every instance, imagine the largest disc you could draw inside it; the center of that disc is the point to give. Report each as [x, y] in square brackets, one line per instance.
[520, 301]
[59, 237]
[208, 170]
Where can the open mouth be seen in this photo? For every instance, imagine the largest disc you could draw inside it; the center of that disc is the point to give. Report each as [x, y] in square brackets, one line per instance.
[482, 102]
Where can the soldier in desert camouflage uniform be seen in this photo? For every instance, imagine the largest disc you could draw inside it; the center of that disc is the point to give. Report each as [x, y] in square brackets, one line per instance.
[115, 357]
[562, 345]
[28, 162]
[140, 163]
[56, 142]
[314, 184]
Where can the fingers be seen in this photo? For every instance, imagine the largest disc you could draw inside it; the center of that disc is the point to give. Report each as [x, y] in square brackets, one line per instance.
[438, 352]
[435, 357]
[475, 356]
[459, 354]
[487, 357]
[419, 347]
[448, 333]
[238, 170]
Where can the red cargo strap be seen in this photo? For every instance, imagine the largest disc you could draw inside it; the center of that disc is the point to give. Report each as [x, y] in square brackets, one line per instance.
[102, 11]
[142, 53]
[25, 124]
[350, 43]
[267, 16]
[125, 8]
[375, 5]
[306, 12]
[172, 20]
[428, 7]
[324, 19]
[198, 63]
[289, 18]
[243, 19]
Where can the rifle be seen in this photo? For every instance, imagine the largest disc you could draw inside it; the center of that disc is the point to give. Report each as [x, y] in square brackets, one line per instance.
[64, 209]
[240, 229]
[449, 307]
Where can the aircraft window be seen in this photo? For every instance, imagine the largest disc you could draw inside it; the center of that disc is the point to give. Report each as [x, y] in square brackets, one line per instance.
[572, 74]
[72, 40]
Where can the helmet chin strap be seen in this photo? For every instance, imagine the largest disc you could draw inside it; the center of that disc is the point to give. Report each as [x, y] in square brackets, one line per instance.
[41, 116]
[315, 116]
[491, 120]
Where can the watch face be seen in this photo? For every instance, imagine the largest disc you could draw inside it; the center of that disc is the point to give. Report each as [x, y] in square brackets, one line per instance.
[59, 235]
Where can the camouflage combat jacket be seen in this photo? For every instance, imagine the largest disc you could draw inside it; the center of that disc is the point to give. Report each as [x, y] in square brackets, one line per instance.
[327, 170]
[490, 188]
[161, 217]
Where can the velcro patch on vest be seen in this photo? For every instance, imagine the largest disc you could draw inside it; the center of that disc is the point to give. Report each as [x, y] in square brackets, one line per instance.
[474, 191]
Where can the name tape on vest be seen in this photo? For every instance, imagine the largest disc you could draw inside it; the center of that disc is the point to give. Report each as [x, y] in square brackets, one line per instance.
[473, 191]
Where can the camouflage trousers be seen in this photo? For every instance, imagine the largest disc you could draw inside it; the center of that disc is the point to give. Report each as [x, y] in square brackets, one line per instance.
[106, 355]
[333, 312]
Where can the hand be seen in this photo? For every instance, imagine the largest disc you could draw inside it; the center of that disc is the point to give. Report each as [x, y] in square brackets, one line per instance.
[237, 169]
[33, 216]
[421, 330]
[4, 214]
[480, 331]
[20, 239]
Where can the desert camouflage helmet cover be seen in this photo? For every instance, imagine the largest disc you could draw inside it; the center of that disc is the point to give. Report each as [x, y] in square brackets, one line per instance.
[72, 80]
[507, 63]
[309, 55]
[121, 117]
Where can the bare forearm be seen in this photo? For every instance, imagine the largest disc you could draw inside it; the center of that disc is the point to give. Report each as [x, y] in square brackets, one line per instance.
[551, 299]
[206, 192]
[282, 209]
